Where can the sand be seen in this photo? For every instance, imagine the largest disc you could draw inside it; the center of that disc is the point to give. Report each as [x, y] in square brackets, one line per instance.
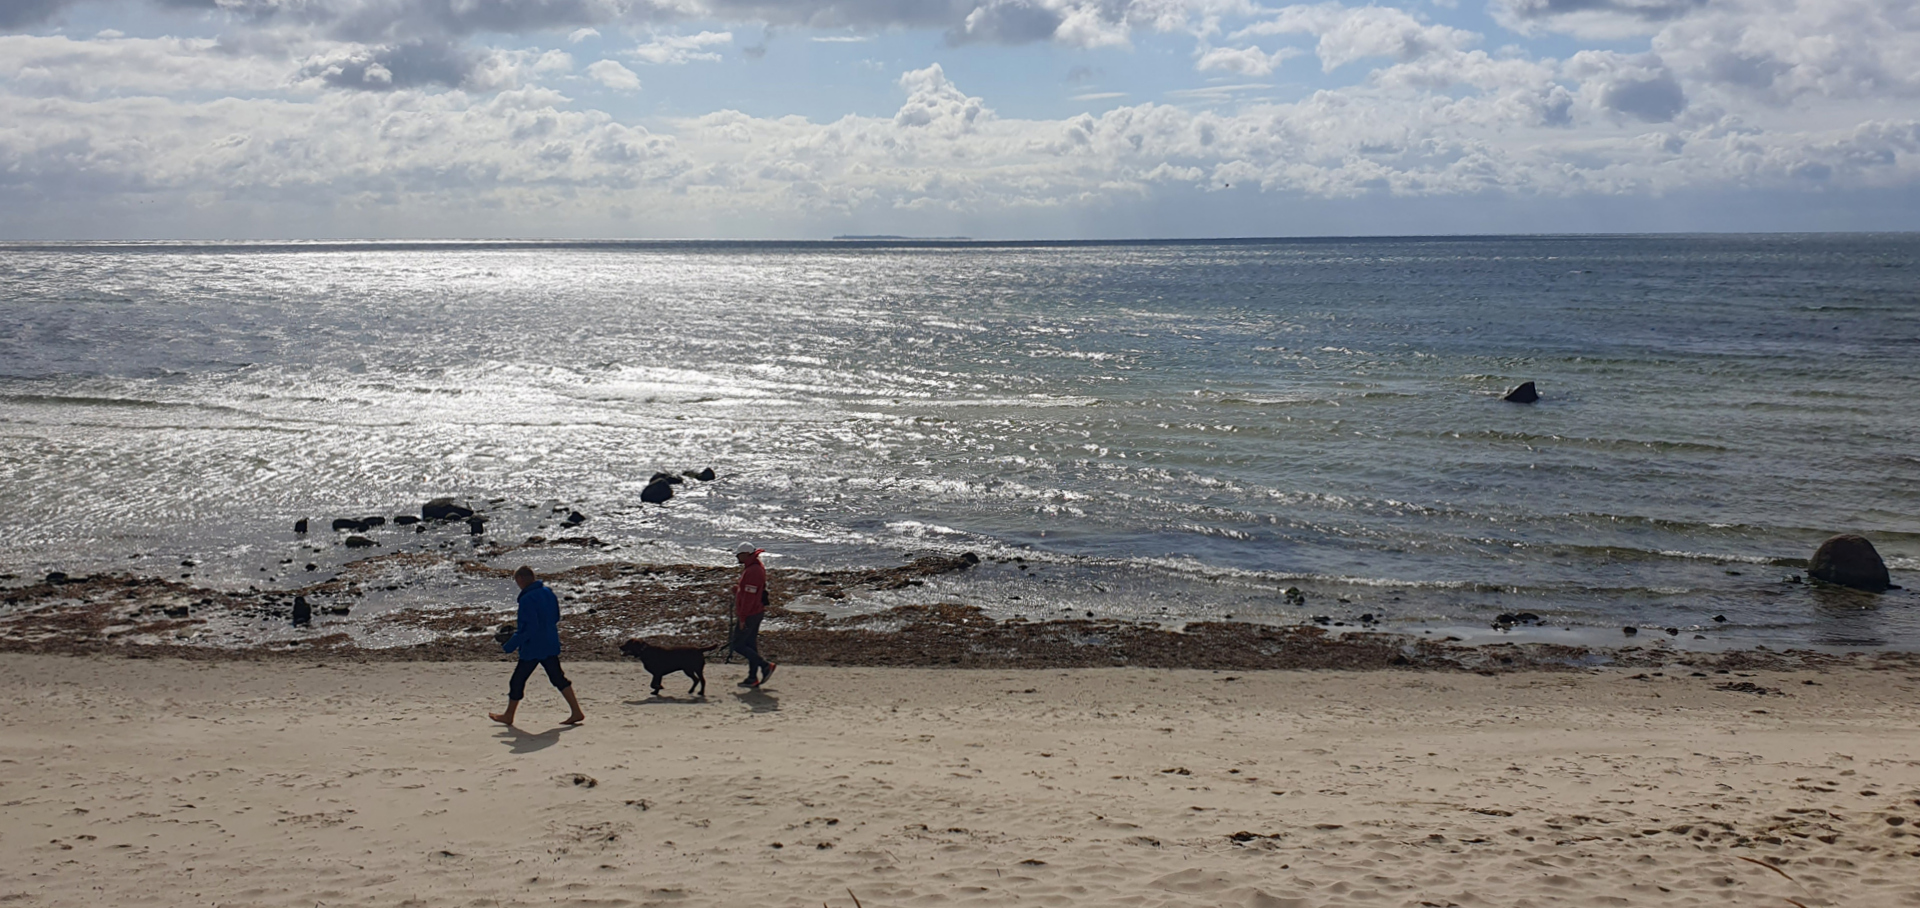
[145, 781]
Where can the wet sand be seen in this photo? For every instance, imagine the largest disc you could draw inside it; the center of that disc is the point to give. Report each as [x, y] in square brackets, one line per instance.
[342, 782]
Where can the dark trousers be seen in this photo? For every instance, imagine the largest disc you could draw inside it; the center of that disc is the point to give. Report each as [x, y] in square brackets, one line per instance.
[517, 688]
[746, 642]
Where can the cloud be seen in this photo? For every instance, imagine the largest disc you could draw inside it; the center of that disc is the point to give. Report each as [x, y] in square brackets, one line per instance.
[1246, 61]
[1638, 86]
[21, 13]
[937, 105]
[676, 50]
[581, 34]
[1350, 35]
[614, 76]
[412, 65]
[1098, 96]
[1591, 18]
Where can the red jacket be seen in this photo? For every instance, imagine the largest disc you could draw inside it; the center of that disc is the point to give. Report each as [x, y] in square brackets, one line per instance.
[750, 593]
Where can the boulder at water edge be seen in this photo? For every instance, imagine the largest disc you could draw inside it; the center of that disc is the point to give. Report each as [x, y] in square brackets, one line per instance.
[1850, 560]
[1525, 394]
[444, 509]
[300, 526]
[656, 492]
[302, 612]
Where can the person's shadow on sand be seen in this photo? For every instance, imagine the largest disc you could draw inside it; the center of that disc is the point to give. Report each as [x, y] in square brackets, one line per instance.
[526, 742]
[759, 700]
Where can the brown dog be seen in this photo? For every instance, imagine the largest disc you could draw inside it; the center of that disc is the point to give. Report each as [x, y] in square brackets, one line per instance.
[662, 661]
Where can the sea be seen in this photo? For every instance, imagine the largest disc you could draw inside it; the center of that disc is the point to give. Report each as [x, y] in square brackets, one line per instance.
[1153, 431]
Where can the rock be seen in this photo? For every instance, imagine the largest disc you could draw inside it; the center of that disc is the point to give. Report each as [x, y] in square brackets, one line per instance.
[1719, 619]
[312, 567]
[56, 577]
[1850, 560]
[371, 522]
[1673, 632]
[405, 520]
[575, 519]
[1630, 631]
[666, 478]
[1525, 394]
[970, 558]
[705, 475]
[656, 493]
[476, 526]
[300, 526]
[302, 612]
[350, 525]
[359, 542]
[444, 509]
[176, 611]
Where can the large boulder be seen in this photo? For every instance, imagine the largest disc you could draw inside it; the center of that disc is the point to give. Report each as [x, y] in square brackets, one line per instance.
[1525, 394]
[444, 509]
[1850, 560]
[656, 492]
[350, 524]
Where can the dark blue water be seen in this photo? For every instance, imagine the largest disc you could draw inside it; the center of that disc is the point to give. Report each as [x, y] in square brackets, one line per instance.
[1162, 430]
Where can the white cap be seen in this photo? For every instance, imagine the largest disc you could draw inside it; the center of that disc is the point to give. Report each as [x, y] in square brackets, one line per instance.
[745, 548]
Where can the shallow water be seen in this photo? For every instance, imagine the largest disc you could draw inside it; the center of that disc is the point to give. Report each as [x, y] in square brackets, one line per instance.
[1162, 430]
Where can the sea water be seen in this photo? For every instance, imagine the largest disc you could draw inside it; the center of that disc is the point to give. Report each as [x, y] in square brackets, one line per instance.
[1165, 431]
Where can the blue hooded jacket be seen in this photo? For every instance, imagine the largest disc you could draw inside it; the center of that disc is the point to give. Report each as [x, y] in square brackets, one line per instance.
[537, 634]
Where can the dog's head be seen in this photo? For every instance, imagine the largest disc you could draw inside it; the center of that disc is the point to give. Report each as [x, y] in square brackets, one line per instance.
[635, 648]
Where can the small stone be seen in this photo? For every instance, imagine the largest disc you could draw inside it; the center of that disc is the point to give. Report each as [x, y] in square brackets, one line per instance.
[359, 542]
[1719, 619]
[656, 493]
[1630, 631]
[575, 519]
[300, 526]
[444, 509]
[302, 612]
[56, 577]
[1525, 394]
[405, 520]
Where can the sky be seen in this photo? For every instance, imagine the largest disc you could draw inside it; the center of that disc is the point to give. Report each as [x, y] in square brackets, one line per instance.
[998, 119]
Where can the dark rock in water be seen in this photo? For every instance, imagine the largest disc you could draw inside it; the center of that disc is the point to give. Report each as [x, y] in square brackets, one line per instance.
[312, 567]
[705, 475]
[350, 525]
[1719, 619]
[665, 477]
[1850, 560]
[302, 612]
[476, 526]
[373, 521]
[1525, 394]
[656, 493]
[1630, 631]
[575, 519]
[56, 577]
[176, 611]
[970, 558]
[300, 526]
[1673, 632]
[359, 542]
[405, 520]
[444, 509]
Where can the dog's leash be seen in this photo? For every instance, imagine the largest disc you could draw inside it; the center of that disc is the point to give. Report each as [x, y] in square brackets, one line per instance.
[733, 630]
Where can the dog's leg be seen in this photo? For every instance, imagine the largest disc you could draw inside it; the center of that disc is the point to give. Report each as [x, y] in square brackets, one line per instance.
[657, 679]
[700, 678]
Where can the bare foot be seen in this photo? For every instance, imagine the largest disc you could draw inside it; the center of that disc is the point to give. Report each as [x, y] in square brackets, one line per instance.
[574, 719]
[503, 720]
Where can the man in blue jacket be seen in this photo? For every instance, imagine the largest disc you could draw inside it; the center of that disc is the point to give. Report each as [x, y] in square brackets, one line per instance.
[537, 636]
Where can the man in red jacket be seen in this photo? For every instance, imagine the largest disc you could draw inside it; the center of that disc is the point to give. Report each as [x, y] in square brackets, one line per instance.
[749, 606]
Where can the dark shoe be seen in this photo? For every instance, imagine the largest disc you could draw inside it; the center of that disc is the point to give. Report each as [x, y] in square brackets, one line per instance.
[766, 674]
[750, 682]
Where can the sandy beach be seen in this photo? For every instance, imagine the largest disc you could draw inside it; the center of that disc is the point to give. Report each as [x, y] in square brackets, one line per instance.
[153, 781]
